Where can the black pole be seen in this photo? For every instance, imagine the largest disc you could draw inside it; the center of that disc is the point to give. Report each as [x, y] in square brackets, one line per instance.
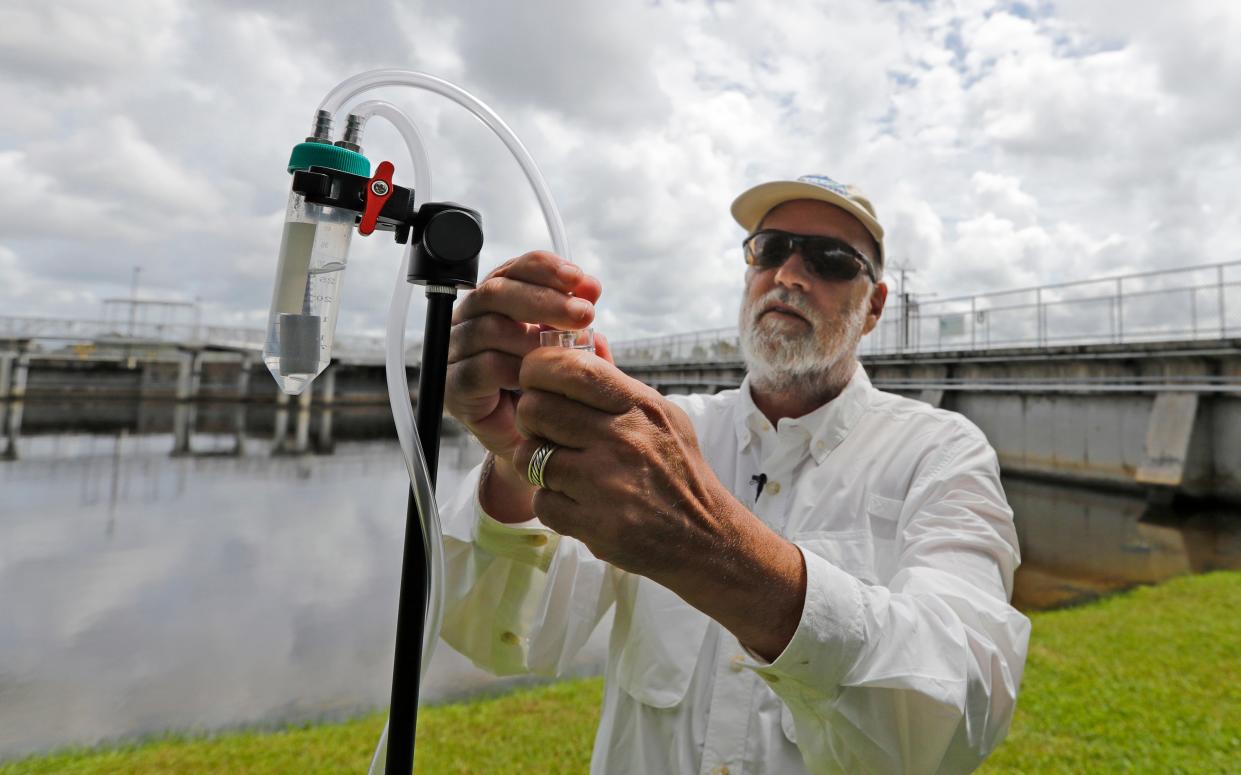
[415, 571]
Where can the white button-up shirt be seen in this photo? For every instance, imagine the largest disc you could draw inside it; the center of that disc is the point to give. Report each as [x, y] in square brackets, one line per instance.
[907, 657]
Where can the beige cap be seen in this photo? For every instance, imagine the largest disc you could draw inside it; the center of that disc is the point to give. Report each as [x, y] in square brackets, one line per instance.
[749, 208]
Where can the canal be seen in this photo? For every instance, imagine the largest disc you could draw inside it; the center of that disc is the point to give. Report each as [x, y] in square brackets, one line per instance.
[142, 591]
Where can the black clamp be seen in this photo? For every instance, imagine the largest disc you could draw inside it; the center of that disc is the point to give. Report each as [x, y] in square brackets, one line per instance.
[448, 237]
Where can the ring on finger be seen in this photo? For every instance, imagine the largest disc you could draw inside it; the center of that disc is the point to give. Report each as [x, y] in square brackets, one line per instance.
[538, 462]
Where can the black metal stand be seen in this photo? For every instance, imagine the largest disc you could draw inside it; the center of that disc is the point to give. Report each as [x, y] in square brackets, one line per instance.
[415, 569]
[447, 239]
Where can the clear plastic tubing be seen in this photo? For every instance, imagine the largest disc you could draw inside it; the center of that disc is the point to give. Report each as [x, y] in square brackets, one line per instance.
[398, 386]
[375, 79]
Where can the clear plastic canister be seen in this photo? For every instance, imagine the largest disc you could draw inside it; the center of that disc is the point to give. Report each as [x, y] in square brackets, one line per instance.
[313, 251]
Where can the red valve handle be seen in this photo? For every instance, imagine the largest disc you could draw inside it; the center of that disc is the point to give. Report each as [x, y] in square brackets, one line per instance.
[378, 189]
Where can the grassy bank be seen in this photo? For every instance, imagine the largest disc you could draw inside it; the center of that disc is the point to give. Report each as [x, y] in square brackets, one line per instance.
[1147, 681]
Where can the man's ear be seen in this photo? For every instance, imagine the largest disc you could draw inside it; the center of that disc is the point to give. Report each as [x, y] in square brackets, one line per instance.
[878, 297]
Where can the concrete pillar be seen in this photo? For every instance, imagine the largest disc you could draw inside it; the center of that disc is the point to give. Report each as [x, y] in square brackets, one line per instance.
[17, 394]
[328, 381]
[196, 383]
[302, 438]
[281, 432]
[1168, 434]
[239, 409]
[182, 418]
[6, 370]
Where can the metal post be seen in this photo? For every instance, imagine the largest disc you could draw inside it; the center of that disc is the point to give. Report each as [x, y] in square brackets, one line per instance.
[1120, 310]
[1038, 317]
[1223, 318]
[1193, 311]
[328, 381]
[973, 322]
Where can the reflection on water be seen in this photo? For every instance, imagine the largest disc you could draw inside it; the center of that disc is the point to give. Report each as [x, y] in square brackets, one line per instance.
[142, 592]
[1078, 544]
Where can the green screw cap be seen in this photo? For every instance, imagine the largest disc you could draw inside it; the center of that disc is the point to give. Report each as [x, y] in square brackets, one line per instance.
[307, 155]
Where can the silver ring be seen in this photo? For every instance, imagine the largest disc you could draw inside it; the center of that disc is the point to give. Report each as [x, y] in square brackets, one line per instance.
[538, 461]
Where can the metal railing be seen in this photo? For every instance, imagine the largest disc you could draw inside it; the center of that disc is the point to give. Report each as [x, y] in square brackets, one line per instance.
[355, 347]
[1193, 303]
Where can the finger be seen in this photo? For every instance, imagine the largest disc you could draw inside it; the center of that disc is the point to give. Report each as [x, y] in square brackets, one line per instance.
[557, 511]
[560, 470]
[588, 288]
[540, 267]
[491, 331]
[579, 375]
[555, 418]
[603, 349]
[483, 374]
[526, 303]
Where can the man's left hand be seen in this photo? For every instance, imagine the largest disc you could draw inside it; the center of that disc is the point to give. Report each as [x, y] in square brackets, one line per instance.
[627, 478]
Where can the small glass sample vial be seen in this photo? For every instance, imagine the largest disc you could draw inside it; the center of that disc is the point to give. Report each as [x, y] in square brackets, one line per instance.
[581, 339]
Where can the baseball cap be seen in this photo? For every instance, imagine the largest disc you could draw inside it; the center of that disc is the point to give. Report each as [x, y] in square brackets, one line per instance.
[749, 208]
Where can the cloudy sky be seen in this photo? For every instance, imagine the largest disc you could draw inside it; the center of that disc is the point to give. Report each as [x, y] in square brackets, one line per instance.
[1005, 144]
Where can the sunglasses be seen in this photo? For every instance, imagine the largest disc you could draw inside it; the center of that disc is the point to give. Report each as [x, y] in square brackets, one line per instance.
[827, 257]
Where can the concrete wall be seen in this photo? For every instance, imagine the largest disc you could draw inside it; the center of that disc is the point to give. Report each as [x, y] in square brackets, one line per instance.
[1159, 417]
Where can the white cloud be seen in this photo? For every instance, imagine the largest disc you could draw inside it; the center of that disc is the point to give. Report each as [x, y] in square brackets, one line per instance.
[1003, 145]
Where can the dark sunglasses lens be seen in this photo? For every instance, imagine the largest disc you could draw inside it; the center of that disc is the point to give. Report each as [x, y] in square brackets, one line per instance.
[770, 250]
[832, 263]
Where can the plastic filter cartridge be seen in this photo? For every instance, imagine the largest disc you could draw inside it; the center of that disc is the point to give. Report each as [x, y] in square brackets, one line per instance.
[314, 249]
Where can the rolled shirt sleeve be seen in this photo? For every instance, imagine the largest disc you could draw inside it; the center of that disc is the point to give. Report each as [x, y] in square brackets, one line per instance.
[920, 675]
[519, 598]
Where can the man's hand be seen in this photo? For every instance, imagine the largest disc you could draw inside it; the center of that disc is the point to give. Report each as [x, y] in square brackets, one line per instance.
[493, 328]
[629, 481]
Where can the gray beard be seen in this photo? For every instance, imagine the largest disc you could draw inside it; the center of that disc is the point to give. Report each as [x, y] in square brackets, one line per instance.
[806, 363]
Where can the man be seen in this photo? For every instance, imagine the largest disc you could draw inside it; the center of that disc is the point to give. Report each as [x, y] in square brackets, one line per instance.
[808, 574]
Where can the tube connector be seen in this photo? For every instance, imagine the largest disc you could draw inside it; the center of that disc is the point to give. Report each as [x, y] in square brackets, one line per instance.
[322, 130]
[353, 133]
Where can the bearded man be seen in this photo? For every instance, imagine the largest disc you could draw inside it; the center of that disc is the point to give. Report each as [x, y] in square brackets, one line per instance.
[808, 574]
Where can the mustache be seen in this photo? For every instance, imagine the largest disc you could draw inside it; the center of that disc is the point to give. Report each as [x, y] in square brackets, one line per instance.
[795, 301]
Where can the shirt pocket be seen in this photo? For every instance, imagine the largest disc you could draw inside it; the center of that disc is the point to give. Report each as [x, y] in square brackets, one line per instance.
[662, 647]
[853, 551]
[786, 723]
[885, 516]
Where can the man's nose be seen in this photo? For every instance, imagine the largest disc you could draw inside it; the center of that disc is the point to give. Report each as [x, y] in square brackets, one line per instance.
[794, 272]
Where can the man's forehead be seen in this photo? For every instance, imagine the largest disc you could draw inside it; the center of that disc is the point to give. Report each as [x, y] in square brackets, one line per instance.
[809, 216]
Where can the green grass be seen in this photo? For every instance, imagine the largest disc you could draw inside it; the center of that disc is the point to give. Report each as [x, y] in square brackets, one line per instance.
[1148, 681]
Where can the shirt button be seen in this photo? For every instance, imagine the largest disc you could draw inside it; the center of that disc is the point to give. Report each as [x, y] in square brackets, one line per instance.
[538, 540]
[734, 664]
[773, 488]
[720, 771]
[510, 638]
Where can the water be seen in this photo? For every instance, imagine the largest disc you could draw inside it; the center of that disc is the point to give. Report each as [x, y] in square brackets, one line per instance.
[142, 592]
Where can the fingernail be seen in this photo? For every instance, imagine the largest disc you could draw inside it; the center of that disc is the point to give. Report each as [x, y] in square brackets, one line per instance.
[569, 273]
[579, 308]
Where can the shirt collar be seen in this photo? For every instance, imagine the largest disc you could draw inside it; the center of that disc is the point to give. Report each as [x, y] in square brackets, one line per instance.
[824, 428]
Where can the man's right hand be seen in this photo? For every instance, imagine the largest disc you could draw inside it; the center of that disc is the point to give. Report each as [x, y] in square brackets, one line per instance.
[493, 329]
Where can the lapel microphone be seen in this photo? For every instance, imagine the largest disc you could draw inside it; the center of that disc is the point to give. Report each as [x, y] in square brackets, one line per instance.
[758, 480]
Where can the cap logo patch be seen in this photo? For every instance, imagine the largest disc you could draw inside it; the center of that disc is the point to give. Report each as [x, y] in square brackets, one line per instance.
[823, 181]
